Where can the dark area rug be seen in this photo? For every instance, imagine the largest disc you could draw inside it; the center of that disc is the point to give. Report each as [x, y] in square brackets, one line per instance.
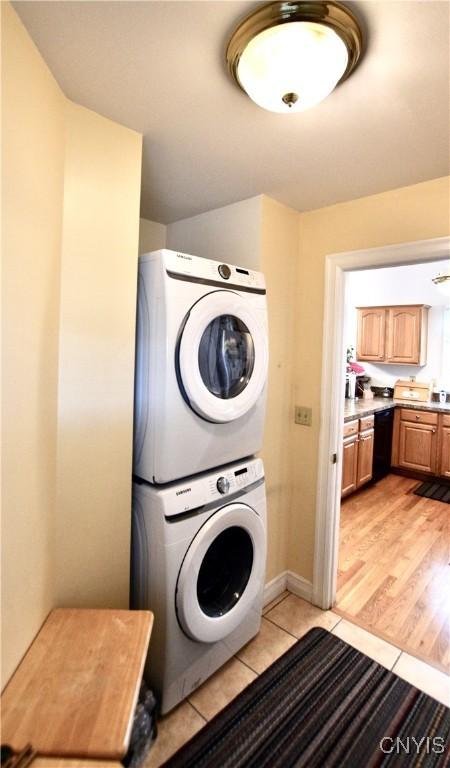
[436, 491]
[323, 704]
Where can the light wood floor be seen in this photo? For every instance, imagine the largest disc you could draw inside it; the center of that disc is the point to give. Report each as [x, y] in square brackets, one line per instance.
[394, 568]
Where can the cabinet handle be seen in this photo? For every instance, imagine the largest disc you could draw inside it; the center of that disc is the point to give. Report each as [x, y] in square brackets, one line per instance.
[434, 429]
[417, 415]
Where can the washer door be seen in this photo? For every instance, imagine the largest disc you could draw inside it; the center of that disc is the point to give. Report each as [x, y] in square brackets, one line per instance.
[222, 573]
[223, 357]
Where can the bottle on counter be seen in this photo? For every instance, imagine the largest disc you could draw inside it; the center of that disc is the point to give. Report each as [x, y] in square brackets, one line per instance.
[351, 385]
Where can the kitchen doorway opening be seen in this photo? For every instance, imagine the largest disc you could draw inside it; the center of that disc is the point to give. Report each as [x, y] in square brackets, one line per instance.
[338, 267]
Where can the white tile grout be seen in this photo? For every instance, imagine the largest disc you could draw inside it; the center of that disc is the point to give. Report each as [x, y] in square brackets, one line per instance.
[198, 711]
[246, 664]
[397, 659]
[275, 602]
[291, 634]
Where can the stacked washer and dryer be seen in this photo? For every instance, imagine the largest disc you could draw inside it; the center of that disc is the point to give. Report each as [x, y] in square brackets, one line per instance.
[199, 508]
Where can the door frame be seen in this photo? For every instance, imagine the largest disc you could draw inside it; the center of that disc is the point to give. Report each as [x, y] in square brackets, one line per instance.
[326, 547]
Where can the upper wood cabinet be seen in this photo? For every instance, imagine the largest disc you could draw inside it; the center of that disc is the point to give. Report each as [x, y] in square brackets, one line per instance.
[394, 335]
[370, 344]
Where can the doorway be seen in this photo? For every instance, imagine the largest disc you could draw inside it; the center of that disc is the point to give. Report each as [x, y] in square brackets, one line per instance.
[332, 397]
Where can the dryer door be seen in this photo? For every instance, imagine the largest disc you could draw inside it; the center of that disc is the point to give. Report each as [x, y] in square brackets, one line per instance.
[222, 573]
[223, 356]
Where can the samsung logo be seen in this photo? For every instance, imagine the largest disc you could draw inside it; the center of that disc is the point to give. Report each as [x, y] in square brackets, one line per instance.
[184, 490]
[182, 256]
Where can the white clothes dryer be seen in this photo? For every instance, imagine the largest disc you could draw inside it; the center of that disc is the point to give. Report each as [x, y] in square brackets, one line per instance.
[198, 562]
[201, 365]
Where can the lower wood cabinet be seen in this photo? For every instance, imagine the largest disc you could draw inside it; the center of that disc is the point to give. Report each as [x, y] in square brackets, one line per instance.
[357, 455]
[365, 457]
[421, 441]
[349, 465]
[417, 447]
[444, 468]
[420, 444]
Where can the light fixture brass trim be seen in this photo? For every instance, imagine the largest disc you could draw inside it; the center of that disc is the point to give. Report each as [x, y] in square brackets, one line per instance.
[331, 14]
[441, 278]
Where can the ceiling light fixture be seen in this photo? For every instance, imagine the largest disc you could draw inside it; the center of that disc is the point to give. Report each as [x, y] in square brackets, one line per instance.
[289, 56]
[442, 282]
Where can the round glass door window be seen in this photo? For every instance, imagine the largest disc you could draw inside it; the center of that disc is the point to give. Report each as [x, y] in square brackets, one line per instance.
[226, 356]
[225, 571]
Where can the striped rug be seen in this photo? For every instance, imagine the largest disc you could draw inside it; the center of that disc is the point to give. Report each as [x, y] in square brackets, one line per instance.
[323, 704]
[436, 491]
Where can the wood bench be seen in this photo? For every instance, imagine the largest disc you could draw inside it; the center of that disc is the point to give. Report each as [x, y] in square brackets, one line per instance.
[75, 691]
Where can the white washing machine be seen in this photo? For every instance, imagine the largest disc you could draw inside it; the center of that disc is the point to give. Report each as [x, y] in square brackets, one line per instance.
[201, 365]
[198, 562]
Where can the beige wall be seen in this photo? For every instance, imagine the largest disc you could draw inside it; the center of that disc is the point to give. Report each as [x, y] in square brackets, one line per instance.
[152, 236]
[70, 209]
[96, 364]
[279, 253]
[32, 179]
[231, 234]
[402, 215]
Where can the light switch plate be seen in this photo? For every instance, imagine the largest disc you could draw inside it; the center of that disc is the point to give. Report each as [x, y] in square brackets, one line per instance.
[303, 415]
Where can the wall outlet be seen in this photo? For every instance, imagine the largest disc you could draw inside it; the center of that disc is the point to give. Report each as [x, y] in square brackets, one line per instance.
[303, 415]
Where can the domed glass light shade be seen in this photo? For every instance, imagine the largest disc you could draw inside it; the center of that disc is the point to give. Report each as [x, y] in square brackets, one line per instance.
[289, 56]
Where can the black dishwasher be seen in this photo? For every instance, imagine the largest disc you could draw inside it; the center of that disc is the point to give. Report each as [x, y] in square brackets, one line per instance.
[382, 443]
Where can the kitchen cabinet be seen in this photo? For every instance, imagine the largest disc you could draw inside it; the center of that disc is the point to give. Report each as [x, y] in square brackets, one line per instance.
[349, 465]
[365, 457]
[393, 335]
[415, 440]
[444, 463]
[371, 336]
[357, 454]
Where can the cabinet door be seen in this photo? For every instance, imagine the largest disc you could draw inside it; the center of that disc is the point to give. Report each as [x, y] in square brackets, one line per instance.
[365, 457]
[403, 335]
[370, 344]
[417, 446]
[349, 465]
[444, 468]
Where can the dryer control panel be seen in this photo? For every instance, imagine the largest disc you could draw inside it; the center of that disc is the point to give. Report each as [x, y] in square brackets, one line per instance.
[196, 492]
[209, 271]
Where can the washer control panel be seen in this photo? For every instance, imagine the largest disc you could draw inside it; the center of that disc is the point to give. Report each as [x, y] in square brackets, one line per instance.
[236, 477]
[195, 493]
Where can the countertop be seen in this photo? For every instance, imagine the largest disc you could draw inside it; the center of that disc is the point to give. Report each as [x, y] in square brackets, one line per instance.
[354, 409]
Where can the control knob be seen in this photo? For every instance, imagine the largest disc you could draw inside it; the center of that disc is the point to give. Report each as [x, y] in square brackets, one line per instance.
[223, 485]
[224, 271]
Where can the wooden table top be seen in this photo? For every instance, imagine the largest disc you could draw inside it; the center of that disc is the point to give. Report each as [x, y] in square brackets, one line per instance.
[75, 691]
[68, 762]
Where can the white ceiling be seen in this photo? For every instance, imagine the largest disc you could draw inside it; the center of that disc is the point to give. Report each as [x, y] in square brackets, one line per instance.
[158, 67]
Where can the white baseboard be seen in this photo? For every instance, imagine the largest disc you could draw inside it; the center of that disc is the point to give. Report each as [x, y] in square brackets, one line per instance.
[274, 588]
[299, 586]
[287, 580]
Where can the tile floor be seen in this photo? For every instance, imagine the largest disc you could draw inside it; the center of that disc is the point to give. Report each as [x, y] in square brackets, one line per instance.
[284, 620]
